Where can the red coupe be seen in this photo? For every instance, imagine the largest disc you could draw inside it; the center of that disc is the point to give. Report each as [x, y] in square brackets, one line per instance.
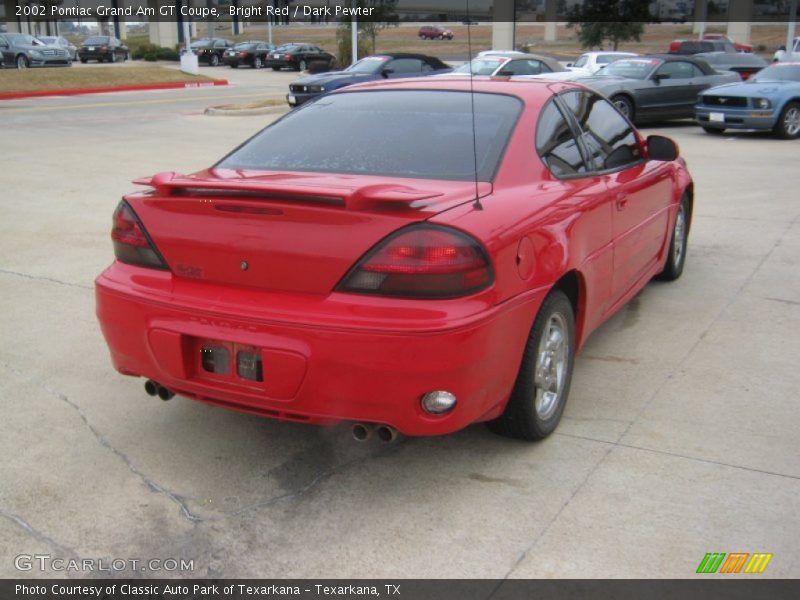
[411, 255]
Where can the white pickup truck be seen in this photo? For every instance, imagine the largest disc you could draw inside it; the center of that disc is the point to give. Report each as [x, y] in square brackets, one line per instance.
[782, 55]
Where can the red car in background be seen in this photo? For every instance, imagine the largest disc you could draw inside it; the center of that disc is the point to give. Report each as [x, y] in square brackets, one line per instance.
[430, 32]
[398, 285]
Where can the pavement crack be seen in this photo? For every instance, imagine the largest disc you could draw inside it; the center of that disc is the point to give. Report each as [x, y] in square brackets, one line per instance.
[152, 485]
[47, 279]
[38, 535]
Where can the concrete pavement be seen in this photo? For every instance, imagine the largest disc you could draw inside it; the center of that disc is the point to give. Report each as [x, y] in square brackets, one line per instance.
[680, 436]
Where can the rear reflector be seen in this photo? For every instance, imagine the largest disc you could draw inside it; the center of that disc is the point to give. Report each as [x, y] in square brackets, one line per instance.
[131, 242]
[422, 261]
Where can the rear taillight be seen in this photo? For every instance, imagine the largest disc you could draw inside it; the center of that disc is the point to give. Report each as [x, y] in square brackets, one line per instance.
[132, 245]
[243, 54]
[289, 57]
[423, 261]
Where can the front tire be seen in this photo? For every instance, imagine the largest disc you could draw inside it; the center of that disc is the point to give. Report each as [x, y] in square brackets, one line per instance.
[302, 65]
[257, 62]
[624, 105]
[788, 125]
[214, 60]
[540, 392]
[22, 62]
[676, 256]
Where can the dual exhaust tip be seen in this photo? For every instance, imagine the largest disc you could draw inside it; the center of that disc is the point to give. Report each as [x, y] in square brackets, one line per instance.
[153, 388]
[362, 432]
[387, 434]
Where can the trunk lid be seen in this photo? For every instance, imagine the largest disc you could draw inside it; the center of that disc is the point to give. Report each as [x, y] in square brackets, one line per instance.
[293, 232]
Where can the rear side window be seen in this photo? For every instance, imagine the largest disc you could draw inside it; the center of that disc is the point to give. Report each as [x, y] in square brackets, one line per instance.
[556, 144]
[402, 133]
[606, 134]
[406, 65]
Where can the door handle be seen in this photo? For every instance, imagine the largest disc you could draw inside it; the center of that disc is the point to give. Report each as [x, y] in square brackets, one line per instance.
[622, 200]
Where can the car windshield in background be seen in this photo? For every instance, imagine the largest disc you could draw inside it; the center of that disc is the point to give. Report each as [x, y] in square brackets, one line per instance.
[289, 48]
[371, 64]
[778, 72]
[245, 46]
[97, 41]
[481, 66]
[48, 40]
[637, 68]
[396, 133]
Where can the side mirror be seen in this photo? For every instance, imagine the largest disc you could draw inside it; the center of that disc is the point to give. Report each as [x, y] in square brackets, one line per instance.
[661, 148]
[387, 72]
[504, 74]
[658, 77]
[570, 64]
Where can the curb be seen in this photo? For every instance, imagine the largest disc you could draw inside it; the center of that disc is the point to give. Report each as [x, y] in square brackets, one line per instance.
[218, 111]
[119, 88]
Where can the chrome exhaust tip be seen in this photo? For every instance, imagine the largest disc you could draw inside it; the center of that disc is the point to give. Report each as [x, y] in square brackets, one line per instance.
[387, 434]
[362, 432]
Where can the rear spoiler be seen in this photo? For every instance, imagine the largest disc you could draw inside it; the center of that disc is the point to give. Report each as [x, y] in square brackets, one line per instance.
[351, 198]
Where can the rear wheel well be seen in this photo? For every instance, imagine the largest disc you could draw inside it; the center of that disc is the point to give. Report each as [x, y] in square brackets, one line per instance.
[571, 284]
[689, 194]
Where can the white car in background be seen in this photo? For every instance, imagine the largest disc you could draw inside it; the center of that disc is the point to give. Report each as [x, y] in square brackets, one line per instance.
[783, 56]
[590, 63]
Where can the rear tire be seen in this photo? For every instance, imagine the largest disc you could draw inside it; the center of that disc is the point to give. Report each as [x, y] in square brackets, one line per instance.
[302, 65]
[113, 58]
[257, 62]
[276, 68]
[676, 257]
[713, 130]
[788, 125]
[540, 392]
[22, 62]
[214, 60]
[84, 60]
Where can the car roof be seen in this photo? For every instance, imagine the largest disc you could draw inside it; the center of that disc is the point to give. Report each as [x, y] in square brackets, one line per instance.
[611, 52]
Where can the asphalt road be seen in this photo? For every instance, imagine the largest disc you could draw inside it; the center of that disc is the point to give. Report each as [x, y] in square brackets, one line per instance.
[680, 436]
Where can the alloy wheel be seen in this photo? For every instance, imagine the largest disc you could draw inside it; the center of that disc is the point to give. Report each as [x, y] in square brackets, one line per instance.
[552, 362]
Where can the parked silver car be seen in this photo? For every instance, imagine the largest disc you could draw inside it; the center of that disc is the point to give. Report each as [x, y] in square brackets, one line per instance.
[21, 50]
[63, 43]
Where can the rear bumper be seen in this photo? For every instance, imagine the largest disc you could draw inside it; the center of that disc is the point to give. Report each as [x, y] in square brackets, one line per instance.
[346, 369]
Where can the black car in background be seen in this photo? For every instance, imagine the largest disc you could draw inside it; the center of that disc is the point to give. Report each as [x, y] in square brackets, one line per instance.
[211, 50]
[370, 68]
[253, 54]
[103, 48]
[21, 50]
[298, 57]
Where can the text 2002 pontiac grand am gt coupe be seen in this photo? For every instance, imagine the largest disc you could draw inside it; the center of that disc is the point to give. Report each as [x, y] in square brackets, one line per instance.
[397, 280]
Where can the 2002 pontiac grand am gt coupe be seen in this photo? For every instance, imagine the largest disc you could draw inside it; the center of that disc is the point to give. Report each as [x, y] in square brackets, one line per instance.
[399, 280]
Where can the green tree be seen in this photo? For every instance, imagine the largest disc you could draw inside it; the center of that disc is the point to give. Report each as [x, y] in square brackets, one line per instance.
[613, 20]
[383, 16]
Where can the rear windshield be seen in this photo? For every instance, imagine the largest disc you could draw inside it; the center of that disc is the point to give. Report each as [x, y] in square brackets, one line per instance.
[202, 44]
[96, 40]
[397, 133]
[245, 46]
